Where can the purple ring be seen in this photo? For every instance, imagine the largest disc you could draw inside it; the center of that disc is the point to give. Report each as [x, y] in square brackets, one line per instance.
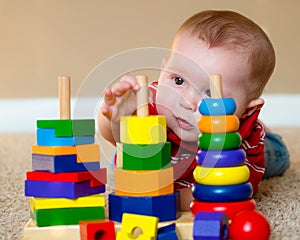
[221, 158]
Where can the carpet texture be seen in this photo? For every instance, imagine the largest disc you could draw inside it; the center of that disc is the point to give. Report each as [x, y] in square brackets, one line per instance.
[278, 198]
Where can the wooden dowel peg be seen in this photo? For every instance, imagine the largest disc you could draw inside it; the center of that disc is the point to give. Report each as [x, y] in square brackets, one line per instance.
[64, 95]
[142, 97]
[216, 86]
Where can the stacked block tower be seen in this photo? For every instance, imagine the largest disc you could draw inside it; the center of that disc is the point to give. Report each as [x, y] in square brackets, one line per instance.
[221, 176]
[65, 184]
[143, 175]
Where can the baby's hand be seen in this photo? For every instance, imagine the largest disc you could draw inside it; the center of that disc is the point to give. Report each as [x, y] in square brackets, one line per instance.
[120, 100]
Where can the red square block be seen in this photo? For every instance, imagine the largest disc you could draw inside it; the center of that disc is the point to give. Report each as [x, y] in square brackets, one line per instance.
[97, 230]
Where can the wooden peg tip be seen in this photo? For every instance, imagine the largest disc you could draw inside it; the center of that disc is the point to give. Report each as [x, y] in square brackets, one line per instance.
[216, 86]
[64, 95]
[142, 96]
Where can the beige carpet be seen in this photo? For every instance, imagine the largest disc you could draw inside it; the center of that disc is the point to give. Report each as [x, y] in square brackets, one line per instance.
[278, 198]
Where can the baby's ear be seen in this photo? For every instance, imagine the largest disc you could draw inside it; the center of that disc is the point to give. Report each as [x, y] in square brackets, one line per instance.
[255, 104]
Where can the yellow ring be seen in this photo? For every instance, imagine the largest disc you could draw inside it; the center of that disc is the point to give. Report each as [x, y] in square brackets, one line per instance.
[218, 124]
[221, 176]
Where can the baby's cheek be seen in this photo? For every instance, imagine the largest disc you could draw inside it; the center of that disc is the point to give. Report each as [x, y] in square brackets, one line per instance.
[195, 134]
[165, 103]
[162, 110]
[190, 136]
[167, 96]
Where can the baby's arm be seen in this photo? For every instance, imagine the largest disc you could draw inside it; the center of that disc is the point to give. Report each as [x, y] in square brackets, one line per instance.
[120, 100]
[186, 197]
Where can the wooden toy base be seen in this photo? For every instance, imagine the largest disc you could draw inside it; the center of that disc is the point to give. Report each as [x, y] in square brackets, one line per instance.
[184, 229]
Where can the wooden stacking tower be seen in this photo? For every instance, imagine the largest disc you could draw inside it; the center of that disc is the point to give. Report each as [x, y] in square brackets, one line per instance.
[143, 175]
[65, 184]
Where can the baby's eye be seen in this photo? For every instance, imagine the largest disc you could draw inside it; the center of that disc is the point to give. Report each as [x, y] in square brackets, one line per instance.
[207, 93]
[178, 80]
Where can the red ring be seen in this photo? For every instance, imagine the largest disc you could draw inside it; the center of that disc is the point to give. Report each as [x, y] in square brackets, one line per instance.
[229, 208]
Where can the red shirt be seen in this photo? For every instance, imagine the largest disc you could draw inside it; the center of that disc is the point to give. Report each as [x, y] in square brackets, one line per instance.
[183, 153]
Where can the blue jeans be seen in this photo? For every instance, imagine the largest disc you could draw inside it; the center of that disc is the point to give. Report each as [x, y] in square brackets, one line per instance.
[277, 157]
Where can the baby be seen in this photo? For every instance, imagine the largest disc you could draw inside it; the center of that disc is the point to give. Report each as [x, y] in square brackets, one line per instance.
[210, 42]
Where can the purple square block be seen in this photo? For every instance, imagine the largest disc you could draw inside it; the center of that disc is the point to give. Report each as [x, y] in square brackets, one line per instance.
[71, 190]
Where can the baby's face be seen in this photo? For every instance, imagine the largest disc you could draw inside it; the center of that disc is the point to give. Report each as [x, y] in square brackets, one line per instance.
[184, 82]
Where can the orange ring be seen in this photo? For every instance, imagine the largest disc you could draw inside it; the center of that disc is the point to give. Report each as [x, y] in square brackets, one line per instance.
[218, 124]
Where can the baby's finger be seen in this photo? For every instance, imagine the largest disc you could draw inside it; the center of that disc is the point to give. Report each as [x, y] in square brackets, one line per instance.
[109, 98]
[121, 88]
[107, 112]
[132, 81]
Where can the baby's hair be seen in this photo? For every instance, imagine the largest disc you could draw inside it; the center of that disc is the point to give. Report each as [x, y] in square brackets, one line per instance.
[233, 31]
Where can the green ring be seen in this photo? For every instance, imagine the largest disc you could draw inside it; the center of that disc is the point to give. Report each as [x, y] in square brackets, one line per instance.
[219, 141]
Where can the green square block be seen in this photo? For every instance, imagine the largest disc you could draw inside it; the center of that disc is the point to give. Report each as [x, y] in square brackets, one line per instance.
[69, 127]
[66, 216]
[143, 156]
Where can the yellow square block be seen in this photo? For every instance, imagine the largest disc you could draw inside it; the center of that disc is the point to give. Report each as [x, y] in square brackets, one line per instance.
[143, 130]
[96, 200]
[130, 222]
[85, 152]
[144, 183]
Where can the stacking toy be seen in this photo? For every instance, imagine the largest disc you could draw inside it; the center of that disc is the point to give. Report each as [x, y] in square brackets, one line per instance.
[65, 184]
[143, 175]
[221, 175]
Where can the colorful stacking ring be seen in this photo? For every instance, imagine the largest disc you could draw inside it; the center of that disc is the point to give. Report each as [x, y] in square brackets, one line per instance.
[219, 158]
[218, 124]
[221, 176]
[230, 193]
[229, 208]
[219, 141]
[217, 106]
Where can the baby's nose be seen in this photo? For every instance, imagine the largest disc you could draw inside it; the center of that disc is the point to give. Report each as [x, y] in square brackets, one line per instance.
[189, 103]
[191, 99]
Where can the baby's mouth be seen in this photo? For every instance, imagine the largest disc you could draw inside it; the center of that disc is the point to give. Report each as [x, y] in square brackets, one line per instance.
[184, 124]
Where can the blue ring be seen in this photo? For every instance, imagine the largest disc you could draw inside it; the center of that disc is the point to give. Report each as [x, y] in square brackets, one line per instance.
[221, 158]
[229, 193]
[217, 106]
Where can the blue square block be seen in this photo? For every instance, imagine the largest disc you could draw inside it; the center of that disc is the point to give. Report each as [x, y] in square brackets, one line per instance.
[46, 137]
[210, 226]
[165, 207]
[61, 163]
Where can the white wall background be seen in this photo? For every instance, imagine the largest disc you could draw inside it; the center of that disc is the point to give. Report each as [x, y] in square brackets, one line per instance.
[20, 115]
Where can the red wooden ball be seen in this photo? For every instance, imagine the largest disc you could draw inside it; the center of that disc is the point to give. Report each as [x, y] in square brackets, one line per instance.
[249, 225]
